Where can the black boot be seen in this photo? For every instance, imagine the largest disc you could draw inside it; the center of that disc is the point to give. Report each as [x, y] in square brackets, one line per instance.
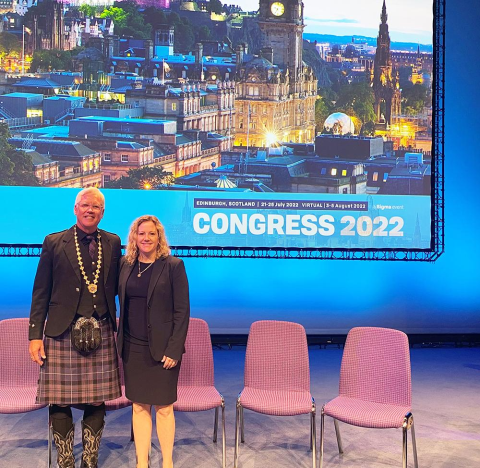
[64, 446]
[91, 444]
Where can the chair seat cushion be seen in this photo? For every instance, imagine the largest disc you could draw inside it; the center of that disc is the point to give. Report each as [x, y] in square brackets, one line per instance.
[366, 413]
[276, 402]
[118, 403]
[18, 399]
[197, 398]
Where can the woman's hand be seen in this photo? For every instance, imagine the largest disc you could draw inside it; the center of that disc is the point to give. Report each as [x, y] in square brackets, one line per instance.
[169, 363]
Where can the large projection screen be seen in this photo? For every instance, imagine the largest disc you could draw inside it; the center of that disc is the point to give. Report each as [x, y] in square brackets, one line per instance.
[366, 184]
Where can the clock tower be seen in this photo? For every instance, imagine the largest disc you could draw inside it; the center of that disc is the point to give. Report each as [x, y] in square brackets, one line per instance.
[281, 23]
[275, 90]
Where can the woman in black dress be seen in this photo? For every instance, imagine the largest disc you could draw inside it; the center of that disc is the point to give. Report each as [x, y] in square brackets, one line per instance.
[154, 315]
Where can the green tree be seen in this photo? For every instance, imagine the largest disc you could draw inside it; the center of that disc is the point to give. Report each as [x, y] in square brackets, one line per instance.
[204, 33]
[329, 95]
[48, 60]
[144, 178]
[357, 100]
[368, 129]
[6, 167]
[215, 6]
[88, 10]
[137, 28]
[186, 34]
[173, 19]
[119, 16]
[9, 44]
[415, 98]
[184, 37]
[130, 6]
[76, 50]
[323, 108]
[155, 17]
[16, 167]
[128, 20]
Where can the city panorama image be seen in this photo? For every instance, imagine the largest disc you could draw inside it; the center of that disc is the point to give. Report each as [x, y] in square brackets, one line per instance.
[265, 96]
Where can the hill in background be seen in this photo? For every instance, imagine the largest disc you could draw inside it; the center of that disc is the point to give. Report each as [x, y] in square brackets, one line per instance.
[372, 41]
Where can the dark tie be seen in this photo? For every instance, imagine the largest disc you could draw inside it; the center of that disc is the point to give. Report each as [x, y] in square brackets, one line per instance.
[92, 246]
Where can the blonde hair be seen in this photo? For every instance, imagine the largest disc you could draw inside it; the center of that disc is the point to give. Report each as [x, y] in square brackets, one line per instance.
[163, 250]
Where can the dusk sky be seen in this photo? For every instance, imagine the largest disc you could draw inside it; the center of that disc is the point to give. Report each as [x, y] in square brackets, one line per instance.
[408, 20]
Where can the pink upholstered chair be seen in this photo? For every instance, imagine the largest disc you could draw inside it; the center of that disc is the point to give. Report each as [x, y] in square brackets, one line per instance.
[375, 385]
[18, 373]
[196, 390]
[277, 377]
[120, 402]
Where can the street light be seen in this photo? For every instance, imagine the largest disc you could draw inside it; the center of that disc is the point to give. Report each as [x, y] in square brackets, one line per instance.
[271, 137]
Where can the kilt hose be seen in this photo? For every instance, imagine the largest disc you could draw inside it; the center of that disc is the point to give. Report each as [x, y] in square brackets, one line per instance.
[68, 377]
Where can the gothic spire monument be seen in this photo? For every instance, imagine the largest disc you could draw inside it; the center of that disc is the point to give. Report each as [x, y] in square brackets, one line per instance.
[386, 86]
[276, 90]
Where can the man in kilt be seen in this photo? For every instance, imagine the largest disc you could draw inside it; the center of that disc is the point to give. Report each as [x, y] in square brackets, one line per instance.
[74, 293]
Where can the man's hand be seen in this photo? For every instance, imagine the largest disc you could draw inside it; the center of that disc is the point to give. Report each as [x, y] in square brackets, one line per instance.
[37, 351]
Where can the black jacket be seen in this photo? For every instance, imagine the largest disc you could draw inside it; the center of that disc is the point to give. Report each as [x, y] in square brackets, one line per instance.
[58, 282]
[168, 307]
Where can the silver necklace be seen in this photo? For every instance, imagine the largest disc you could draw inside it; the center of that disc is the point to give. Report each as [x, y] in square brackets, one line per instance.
[143, 271]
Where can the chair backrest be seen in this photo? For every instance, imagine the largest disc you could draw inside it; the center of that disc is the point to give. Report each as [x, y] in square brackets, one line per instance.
[277, 357]
[197, 361]
[376, 366]
[16, 367]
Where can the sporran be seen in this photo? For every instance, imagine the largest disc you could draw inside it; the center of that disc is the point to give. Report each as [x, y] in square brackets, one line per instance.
[86, 335]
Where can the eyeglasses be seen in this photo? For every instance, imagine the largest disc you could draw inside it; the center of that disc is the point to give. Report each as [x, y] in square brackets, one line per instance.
[86, 206]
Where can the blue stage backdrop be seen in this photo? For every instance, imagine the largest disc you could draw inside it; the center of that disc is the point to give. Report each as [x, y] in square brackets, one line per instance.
[219, 220]
[325, 296]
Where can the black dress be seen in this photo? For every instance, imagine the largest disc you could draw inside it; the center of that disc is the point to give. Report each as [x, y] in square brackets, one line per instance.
[146, 381]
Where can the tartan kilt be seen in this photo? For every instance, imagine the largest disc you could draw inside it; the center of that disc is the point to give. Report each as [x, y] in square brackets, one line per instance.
[68, 377]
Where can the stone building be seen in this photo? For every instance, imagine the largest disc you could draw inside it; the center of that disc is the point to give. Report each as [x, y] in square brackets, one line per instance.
[276, 90]
[118, 157]
[63, 163]
[194, 106]
[48, 31]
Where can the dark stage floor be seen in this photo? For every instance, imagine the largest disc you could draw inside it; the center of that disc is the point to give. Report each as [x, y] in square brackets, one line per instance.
[446, 407]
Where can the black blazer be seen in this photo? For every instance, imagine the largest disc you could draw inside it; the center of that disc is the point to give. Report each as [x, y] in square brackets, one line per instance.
[168, 307]
[56, 290]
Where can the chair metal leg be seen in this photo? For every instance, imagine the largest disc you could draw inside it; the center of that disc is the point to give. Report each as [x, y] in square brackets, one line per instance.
[224, 437]
[215, 425]
[408, 424]
[313, 434]
[132, 436]
[322, 430]
[339, 437]
[311, 431]
[242, 424]
[414, 445]
[237, 435]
